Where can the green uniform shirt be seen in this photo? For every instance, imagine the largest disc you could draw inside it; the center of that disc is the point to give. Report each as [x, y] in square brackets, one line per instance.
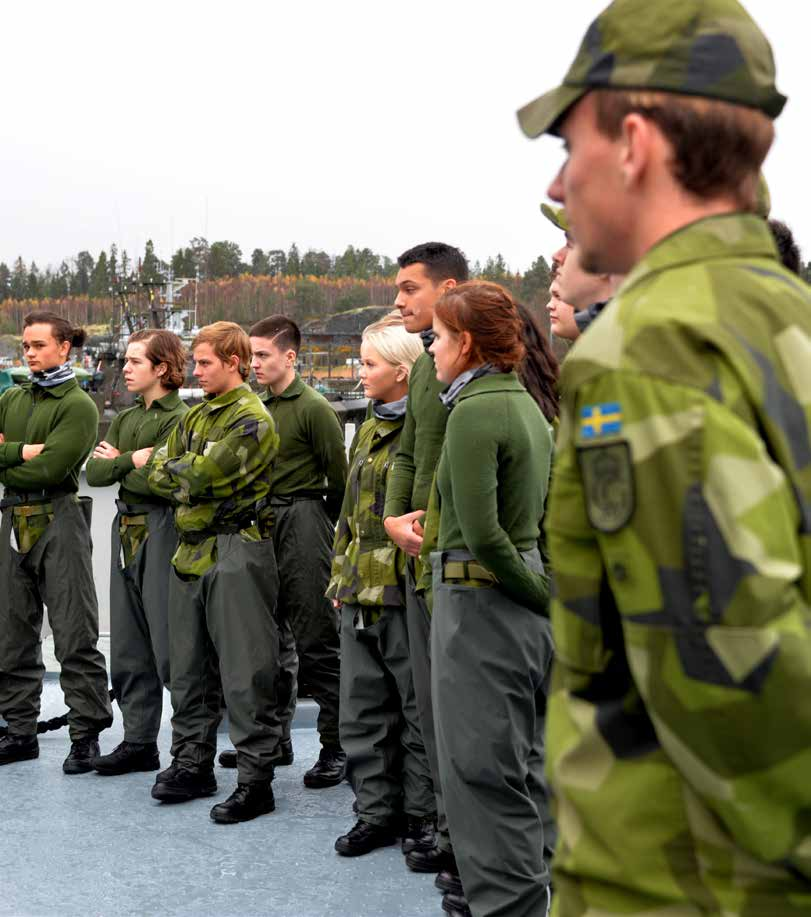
[492, 480]
[420, 443]
[312, 455]
[133, 429]
[368, 568]
[64, 418]
[215, 467]
[679, 727]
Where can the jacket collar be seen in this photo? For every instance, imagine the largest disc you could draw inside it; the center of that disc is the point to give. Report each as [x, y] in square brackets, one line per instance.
[56, 391]
[168, 403]
[293, 390]
[495, 382]
[217, 402]
[731, 235]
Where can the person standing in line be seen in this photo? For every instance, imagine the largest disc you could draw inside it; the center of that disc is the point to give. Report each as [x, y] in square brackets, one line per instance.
[223, 637]
[143, 543]
[380, 728]
[490, 632]
[679, 522]
[309, 475]
[426, 272]
[47, 429]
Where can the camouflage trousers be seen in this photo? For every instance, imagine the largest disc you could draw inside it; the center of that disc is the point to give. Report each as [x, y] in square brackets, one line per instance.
[224, 645]
[54, 570]
[142, 546]
[490, 679]
[380, 731]
[302, 538]
[418, 621]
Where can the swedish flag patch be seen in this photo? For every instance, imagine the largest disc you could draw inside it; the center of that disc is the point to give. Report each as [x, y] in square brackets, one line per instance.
[601, 420]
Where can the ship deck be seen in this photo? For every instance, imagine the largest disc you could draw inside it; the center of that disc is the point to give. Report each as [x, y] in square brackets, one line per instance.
[92, 845]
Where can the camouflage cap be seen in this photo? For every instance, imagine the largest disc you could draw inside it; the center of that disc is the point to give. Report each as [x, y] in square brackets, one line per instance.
[709, 48]
[556, 216]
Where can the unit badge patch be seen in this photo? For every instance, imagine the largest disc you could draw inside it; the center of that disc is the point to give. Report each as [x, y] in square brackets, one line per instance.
[608, 481]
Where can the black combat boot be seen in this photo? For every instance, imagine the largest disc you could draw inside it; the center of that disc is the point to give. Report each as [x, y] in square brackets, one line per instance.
[328, 770]
[419, 833]
[178, 783]
[433, 860]
[282, 758]
[15, 747]
[127, 758]
[83, 752]
[248, 801]
[455, 905]
[364, 838]
[448, 881]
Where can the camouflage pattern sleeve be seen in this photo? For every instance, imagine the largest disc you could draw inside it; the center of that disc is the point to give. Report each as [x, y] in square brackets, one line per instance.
[667, 499]
[401, 480]
[159, 479]
[247, 449]
[343, 530]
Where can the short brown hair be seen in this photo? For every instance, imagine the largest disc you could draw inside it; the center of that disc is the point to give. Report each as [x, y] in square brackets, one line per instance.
[282, 330]
[718, 147]
[61, 328]
[488, 313]
[227, 340]
[162, 346]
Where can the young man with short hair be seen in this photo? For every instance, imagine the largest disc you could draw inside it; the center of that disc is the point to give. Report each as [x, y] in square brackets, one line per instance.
[309, 476]
[679, 522]
[426, 272]
[223, 637]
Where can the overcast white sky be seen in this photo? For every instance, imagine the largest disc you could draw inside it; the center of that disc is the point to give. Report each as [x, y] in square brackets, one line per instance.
[375, 124]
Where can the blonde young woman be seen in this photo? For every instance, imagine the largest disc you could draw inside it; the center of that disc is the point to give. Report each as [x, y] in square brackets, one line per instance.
[379, 726]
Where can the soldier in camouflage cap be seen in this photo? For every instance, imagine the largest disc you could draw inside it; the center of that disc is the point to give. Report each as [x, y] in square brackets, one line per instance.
[680, 515]
[379, 723]
[223, 635]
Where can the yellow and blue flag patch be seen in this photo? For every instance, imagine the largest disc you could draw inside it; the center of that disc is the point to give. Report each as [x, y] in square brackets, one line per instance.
[601, 420]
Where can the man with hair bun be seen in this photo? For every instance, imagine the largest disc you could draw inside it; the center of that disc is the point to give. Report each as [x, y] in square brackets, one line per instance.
[47, 429]
[679, 520]
[223, 636]
[143, 542]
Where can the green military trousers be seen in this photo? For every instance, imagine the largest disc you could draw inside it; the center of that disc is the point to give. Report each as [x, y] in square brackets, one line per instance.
[419, 642]
[287, 683]
[380, 732]
[57, 571]
[489, 697]
[139, 619]
[302, 537]
[224, 644]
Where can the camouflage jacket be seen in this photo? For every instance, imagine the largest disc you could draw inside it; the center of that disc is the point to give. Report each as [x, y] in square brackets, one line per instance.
[367, 568]
[679, 525]
[215, 467]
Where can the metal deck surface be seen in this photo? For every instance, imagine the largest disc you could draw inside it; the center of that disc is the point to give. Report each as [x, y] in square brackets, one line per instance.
[91, 845]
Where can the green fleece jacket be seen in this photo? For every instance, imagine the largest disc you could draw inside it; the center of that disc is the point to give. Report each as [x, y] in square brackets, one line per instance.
[64, 418]
[410, 480]
[312, 456]
[133, 429]
[492, 480]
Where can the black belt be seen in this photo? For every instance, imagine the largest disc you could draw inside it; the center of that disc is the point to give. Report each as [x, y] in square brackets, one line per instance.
[289, 499]
[136, 509]
[223, 528]
[32, 497]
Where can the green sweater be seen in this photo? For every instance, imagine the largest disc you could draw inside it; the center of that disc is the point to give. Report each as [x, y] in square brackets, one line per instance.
[312, 455]
[421, 442]
[133, 429]
[64, 418]
[492, 481]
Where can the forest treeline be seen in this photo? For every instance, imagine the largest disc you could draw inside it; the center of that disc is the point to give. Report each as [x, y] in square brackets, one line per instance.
[309, 284]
